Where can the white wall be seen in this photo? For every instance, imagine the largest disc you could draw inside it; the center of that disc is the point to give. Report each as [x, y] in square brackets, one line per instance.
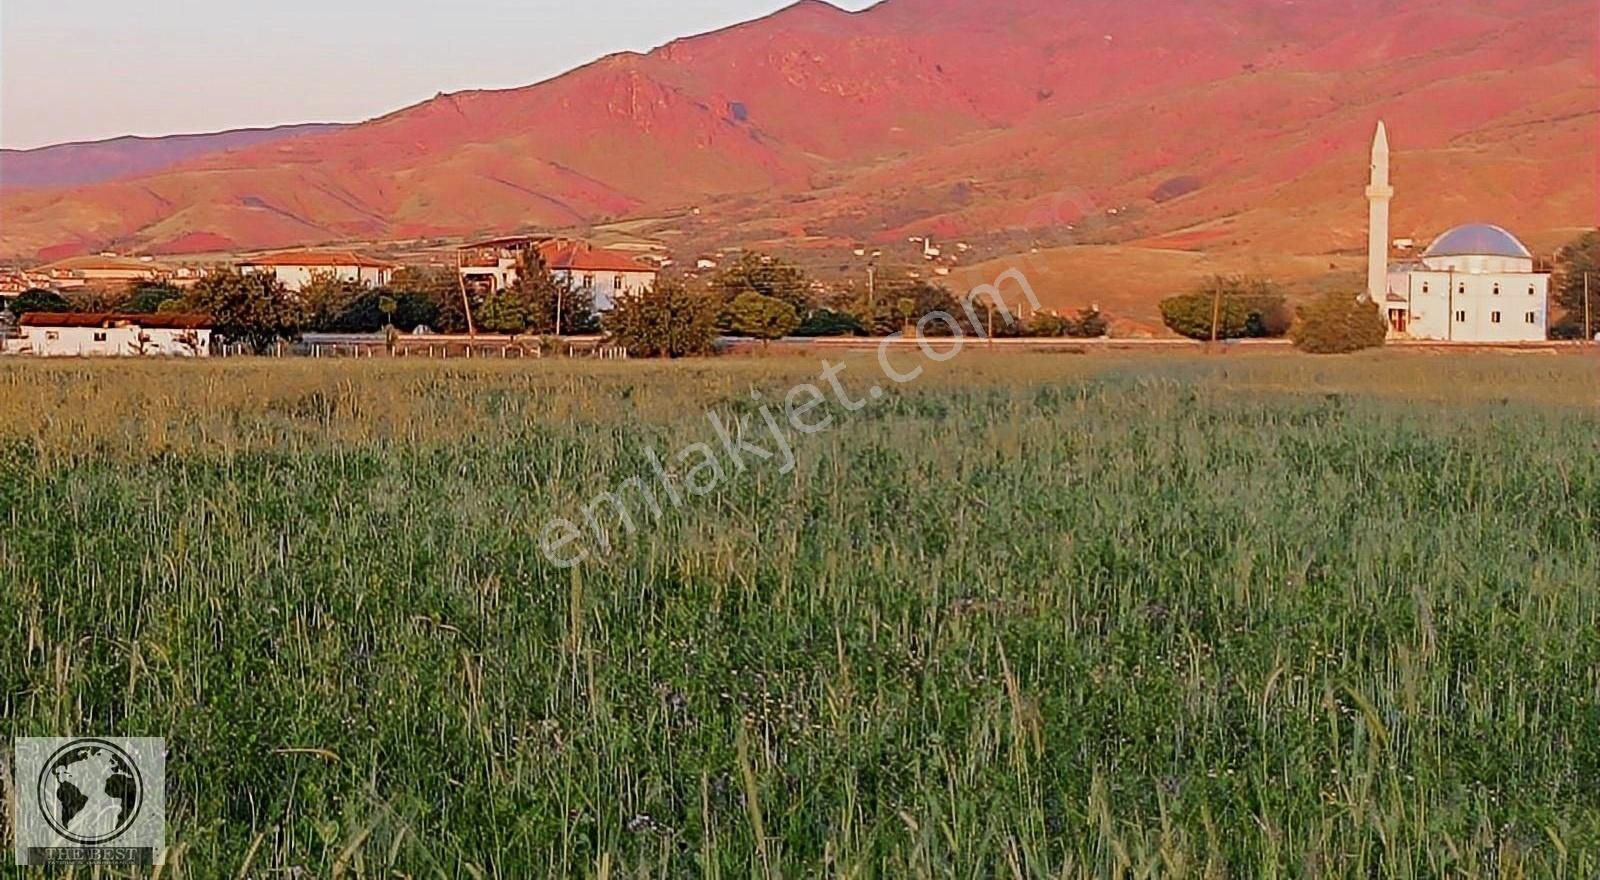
[608, 287]
[1467, 312]
[109, 342]
[297, 277]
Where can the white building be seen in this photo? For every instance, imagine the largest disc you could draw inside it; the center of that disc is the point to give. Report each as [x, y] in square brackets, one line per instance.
[606, 275]
[1475, 283]
[80, 334]
[297, 269]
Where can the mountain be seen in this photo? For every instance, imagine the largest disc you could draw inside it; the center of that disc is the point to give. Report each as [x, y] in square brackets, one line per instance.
[1238, 125]
[78, 164]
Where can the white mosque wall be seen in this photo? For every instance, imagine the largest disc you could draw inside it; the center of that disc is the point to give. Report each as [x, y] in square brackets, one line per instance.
[1490, 307]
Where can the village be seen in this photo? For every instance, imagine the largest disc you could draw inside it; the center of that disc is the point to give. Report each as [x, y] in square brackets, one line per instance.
[533, 294]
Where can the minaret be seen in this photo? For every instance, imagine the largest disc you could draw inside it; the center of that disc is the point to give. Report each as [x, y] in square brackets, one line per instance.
[1378, 195]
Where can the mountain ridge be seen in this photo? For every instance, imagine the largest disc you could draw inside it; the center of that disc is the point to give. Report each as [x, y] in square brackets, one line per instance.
[820, 125]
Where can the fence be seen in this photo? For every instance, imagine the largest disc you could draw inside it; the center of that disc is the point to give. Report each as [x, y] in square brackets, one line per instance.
[438, 347]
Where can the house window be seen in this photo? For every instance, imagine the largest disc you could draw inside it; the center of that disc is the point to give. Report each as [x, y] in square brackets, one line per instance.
[99, 337]
[1494, 317]
[616, 283]
[1461, 317]
[588, 280]
[51, 335]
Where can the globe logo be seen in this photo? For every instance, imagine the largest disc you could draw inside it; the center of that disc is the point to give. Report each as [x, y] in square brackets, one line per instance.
[90, 791]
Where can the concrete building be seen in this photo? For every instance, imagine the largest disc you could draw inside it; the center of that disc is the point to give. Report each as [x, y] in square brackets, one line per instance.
[1475, 283]
[80, 334]
[295, 270]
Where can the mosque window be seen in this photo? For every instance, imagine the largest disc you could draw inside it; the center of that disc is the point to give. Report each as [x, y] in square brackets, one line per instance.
[1497, 290]
[1531, 317]
[1494, 317]
[1462, 290]
[1461, 317]
[1530, 290]
[1424, 287]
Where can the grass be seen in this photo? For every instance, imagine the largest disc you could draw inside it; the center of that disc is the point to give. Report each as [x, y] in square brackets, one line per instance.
[1033, 616]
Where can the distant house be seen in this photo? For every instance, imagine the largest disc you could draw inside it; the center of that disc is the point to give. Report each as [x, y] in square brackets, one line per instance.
[489, 266]
[606, 275]
[105, 270]
[80, 334]
[296, 269]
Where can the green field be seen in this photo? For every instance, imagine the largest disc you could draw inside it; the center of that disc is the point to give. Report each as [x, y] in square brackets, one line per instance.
[1028, 616]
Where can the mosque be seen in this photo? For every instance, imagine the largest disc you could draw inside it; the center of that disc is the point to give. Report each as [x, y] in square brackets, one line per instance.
[1475, 283]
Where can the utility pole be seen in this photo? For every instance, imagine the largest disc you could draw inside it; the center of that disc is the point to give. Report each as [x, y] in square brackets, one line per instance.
[1216, 314]
[1588, 311]
[466, 304]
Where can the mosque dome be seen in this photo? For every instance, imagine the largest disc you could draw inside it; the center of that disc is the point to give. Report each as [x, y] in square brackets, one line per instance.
[1478, 240]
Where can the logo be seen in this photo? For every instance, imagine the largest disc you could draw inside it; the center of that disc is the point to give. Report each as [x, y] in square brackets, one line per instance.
[90, 800]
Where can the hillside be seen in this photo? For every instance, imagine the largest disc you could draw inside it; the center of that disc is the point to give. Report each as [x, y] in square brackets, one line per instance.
[79, 164]
[1240, 126]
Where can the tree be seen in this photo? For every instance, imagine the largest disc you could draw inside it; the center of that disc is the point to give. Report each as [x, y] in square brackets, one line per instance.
[254, 309]
[554, 306]
[1339, 323]
[326, 300]
[1241, 307]
[37, 299]
[503, 311]
[147, 297]
[766, 275]
[668, 320]
[368, 315]
[429, 296]
[829, 322]
[763, 317]
[1579, 258]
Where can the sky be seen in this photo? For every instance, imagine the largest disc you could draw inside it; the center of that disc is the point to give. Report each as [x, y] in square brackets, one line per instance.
[73, 70]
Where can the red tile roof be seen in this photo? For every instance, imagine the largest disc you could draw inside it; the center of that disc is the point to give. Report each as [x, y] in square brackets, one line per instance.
[158, 321]
[315, 259]
[582, 258]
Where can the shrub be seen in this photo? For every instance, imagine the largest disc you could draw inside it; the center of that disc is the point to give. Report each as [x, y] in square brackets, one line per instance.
[1249, 308]
[827, 322]
[1339, 323]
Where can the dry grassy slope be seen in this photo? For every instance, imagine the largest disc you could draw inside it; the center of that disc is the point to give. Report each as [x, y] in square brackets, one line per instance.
[959, 117]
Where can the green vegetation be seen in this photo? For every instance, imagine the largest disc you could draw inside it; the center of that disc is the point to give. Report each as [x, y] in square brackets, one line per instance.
[1578, 274]
[253, 308]
[37, 300]
[149, 297]
[669, 320]
[762, 317]
[1231, 307]
[1030, 616]
[1339, 323]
